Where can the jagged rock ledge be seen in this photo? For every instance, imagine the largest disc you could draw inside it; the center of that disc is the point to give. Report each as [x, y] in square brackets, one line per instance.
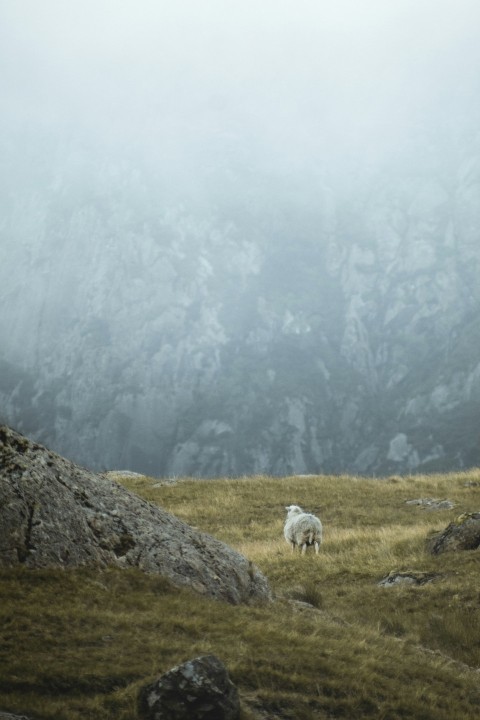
[55, 513]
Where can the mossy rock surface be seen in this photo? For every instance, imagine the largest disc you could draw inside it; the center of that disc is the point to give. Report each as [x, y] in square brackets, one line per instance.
[461, 534]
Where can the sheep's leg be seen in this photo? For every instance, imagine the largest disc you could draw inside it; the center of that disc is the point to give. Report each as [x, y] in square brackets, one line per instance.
[293, 546]
[317, 547]
[304, 548]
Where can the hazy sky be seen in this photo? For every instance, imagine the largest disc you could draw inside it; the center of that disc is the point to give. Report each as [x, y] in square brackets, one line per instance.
[278, 72]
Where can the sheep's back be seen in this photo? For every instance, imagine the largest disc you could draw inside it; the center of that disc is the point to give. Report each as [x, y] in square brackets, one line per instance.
[299, 527]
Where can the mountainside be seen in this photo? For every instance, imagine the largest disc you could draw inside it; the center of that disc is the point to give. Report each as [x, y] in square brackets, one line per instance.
[283, 320]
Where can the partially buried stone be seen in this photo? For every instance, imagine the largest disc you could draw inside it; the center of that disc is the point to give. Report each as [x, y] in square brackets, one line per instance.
[431, 503]
[409, 577]
[200, 689]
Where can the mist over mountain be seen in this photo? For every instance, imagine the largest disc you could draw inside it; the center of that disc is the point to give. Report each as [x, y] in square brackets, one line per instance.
[240, 239]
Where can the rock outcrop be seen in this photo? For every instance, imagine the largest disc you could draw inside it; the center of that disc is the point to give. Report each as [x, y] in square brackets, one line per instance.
[199, 689]
[54, 513]
[461, 534]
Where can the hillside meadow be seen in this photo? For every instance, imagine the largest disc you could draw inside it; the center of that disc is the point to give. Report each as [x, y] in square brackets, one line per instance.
[334, 643]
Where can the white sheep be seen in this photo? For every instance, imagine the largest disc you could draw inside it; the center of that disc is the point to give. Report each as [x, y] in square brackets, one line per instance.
[302, 529]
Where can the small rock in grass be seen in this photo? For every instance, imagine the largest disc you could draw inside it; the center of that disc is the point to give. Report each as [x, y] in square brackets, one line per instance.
[431, 503]
[409, 577]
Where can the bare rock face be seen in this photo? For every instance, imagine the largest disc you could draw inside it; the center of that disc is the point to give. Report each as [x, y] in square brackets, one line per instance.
[200, 689]
[54, 513]
[462, 534]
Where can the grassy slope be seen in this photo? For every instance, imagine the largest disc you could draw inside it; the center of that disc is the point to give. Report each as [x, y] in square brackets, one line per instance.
[79, 644]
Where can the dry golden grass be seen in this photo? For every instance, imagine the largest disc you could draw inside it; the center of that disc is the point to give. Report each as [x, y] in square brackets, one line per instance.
[79, 644]
[369, 530]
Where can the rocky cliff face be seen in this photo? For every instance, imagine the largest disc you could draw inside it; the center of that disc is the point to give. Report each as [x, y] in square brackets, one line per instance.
[54, 513]
[297, 323]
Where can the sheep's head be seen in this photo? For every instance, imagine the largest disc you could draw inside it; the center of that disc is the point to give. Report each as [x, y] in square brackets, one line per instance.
[293, 509]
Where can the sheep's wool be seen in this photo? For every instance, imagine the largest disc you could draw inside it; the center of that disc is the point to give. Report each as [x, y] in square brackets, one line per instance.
[302, 529]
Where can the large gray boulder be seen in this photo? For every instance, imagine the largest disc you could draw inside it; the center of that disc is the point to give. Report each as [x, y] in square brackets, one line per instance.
[54, 513]
[199, 689]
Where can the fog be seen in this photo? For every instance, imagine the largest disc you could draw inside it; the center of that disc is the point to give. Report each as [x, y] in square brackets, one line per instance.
[285, 81]
[242, 237]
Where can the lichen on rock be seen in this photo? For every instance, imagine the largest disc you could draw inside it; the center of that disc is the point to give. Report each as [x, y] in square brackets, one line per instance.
[199, 689]
[461, 534]
[406, 577]
[55, 513]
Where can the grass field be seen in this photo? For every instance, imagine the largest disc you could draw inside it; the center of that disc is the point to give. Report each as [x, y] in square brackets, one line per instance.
[80, 643]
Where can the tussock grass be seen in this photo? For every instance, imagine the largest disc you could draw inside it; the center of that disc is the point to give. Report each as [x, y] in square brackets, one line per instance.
[79, 644]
